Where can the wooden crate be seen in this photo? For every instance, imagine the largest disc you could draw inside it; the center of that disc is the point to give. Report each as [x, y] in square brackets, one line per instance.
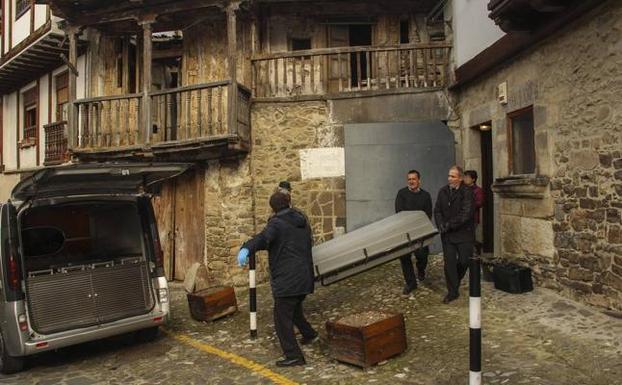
[366, 343]
[213, 303]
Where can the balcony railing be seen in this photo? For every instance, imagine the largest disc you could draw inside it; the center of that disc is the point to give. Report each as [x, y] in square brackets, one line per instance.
[180, 115]
[55, 143]
[350, 69]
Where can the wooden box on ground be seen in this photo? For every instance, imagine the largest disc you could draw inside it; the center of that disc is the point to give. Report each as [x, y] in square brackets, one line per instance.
[213, 303]
[364, 339]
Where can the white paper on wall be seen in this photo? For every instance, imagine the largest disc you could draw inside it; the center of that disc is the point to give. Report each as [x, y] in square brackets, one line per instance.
[322, 162]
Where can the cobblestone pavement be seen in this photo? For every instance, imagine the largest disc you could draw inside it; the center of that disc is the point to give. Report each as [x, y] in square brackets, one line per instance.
[537, 338]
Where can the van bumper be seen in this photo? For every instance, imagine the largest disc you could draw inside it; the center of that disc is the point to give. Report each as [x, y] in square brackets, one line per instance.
[77, 336]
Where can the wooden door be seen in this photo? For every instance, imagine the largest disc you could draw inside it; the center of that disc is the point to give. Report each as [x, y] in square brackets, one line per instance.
[338, 65]
[179, 212]
[189, 221]
[164, 207]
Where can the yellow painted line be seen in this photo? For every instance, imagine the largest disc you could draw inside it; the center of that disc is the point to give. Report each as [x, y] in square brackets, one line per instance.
[234, 358]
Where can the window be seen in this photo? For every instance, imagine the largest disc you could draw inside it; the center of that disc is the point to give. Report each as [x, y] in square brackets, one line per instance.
[522, 154]
[30, 114]
[21, 7]
[300, 44]
[62, 96]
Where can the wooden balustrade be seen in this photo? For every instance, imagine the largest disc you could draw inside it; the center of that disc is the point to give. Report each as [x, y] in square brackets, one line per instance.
[195, 112]
[349, 69]
[189, 112]
[109, 121]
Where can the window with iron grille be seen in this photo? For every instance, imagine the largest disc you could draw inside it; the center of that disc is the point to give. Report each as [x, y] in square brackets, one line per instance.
[21, 6]
[30, 114]
[522, 153]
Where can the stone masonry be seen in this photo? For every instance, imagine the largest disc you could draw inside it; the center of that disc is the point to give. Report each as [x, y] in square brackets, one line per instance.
[570, 231]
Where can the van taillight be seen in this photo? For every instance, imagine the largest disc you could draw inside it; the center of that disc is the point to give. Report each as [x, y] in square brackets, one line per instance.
[13, 273]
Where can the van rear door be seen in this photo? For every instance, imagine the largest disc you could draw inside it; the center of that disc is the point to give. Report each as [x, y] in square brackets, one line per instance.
[95, 179]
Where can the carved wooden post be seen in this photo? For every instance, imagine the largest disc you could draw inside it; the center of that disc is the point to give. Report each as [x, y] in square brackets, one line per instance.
[146, 23]
[72, 122]
[232, 48]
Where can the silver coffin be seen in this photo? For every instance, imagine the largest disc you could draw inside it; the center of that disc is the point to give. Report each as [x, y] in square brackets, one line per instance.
[372, 245]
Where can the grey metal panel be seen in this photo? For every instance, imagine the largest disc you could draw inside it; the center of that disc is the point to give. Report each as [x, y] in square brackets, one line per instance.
[86, 297]
[377, 157]
[371, 245]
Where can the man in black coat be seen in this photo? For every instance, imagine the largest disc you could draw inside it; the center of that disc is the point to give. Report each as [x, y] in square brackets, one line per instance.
[414, 198]
[288, 239]
[453, 214]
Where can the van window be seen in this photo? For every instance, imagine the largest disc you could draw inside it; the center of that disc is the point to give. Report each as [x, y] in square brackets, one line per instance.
[42, 241]
[58, 236]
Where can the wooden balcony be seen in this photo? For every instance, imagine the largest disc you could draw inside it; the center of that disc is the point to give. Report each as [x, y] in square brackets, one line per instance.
[315, 72]
[55, 143]
[187, 123]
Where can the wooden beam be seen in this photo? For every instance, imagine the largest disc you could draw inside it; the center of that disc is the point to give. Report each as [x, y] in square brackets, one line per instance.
[113, 14]
[72, 121]
[167, 53]
[10, 21]
[32, 16]
[232, 50]
[146, 102]
[13, 51]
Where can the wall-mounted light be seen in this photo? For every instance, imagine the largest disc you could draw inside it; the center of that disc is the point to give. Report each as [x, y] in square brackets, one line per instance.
[485, 127]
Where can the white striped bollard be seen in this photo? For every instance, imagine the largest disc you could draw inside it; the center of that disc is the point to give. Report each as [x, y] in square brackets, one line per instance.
[475, 322]
[252, 295]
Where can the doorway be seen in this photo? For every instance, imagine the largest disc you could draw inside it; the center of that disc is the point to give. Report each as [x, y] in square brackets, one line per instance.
[487, 179]
[360, 35]
[352, 69]
[179, 210]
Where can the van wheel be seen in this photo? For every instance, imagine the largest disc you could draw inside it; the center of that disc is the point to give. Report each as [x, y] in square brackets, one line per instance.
[147, 335]
[9, 364]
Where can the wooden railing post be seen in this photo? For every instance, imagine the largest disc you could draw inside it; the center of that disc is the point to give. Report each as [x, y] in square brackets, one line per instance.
[73, 33]
[232, 94]
[146, 23]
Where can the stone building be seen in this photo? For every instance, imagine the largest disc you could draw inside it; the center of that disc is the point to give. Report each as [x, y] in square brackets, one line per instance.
[540, 118]
[252, 93]
[341, 98]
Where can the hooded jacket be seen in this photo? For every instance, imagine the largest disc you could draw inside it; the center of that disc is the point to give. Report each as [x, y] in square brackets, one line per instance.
[288, 239]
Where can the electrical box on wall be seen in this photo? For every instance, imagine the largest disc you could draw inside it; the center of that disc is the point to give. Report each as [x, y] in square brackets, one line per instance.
[502, 93]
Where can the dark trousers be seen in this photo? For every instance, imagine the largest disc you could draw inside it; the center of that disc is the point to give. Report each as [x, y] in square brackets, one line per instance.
[407, 265]
[456, 256]
[287, 313]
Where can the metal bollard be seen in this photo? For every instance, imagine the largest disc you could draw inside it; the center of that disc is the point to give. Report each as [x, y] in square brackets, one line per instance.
[475, 322]
[252, 295]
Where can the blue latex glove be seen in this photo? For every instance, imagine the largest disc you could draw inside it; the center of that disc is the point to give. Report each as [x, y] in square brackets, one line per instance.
[243, 256]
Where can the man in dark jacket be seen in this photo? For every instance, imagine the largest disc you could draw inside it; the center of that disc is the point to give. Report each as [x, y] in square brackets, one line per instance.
[453, 214]
[288, 239]
[414, 198]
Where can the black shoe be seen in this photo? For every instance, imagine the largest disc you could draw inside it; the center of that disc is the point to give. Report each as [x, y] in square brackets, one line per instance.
[408, 289]
[309, 340]
[421, 276]
[291, 362]
[448, 298]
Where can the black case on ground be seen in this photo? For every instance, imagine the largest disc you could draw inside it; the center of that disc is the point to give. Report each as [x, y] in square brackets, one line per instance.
[512, 278]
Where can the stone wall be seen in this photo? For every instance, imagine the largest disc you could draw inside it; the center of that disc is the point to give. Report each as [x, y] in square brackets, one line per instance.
[280, 131]
[229, 218]
[237, 191]
[571, 233]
